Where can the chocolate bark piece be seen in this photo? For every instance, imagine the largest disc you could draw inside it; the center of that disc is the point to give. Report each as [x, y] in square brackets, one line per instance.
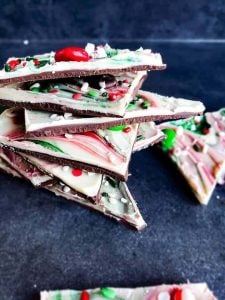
[115, 199]
[6, 168]
[106, 151]
[189, 291]
[75, 95]
[85, 184]
[114, 61]
[119, 206]
[143, 108]
[197, 147]
[148, 134]
[22, 167]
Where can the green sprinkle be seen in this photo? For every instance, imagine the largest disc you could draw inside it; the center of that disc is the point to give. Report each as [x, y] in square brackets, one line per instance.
[35, 90]
[104, 194]
[7, 68]
[28, 58]
[92, 93]
[145, 105]
[104, 94]
[108, 293]
[112, 182]
[222, 112]
[170, 139]
[139, 137]
[117, 128]
[42, 63]
[130, 105]
[111, 52]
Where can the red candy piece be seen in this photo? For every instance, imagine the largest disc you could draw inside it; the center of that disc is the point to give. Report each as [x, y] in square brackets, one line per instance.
[36, 62]
[176, 294]
[53, 91]
[84, 295]
[77, 172]
[76, 96]
[127, 129]
[71, 54]
[112, 96]
[13, 63]
[126, 81]
[205, 131]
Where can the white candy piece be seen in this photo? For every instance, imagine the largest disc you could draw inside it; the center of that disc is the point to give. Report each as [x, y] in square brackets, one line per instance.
[84, 87]
[66, 168]
[66, 189]
[164, 296]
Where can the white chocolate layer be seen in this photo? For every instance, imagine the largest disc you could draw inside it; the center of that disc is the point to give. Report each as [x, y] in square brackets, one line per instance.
[160, 107]
[190, 291]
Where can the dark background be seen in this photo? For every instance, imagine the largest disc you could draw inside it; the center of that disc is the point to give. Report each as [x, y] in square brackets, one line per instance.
[47, 242]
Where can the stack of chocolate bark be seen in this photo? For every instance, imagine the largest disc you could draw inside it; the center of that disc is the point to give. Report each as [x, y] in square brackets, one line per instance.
[74, 118]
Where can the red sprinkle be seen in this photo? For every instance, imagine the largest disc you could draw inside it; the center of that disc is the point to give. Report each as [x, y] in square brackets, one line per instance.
[13, 63]
[112, 96]
[36, 62]
[125, 81]
[127, 129]
[205, 131]
[84, 295]
[76, 96]
[53, 91]
[24, 63]
[77, 172]
[176, 294]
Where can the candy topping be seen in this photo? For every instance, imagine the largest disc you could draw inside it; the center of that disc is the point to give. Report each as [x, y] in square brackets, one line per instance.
[108, 293]
[77, 172]
[169, 141]
[76, 96]
[127, 129]
[145, 105]
[163, 296]
[13, 63]
[112, 96]
[71, 54]
[92, 93]
[117, 128]
[177, 294]
[84, 295]
[53, 91]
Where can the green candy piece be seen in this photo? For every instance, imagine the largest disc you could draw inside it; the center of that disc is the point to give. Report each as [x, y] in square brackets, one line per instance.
[29, 58]
[7, 68]
[145, 105]
[104, 94]
[222, 112]
[111, 52]
[108, 293]
[35, 90]
[117, 128]
[42, 63]
[92, 93]
[170, 139]
[104, 194]
[139, 137]
[130, 105]
[112, 182]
